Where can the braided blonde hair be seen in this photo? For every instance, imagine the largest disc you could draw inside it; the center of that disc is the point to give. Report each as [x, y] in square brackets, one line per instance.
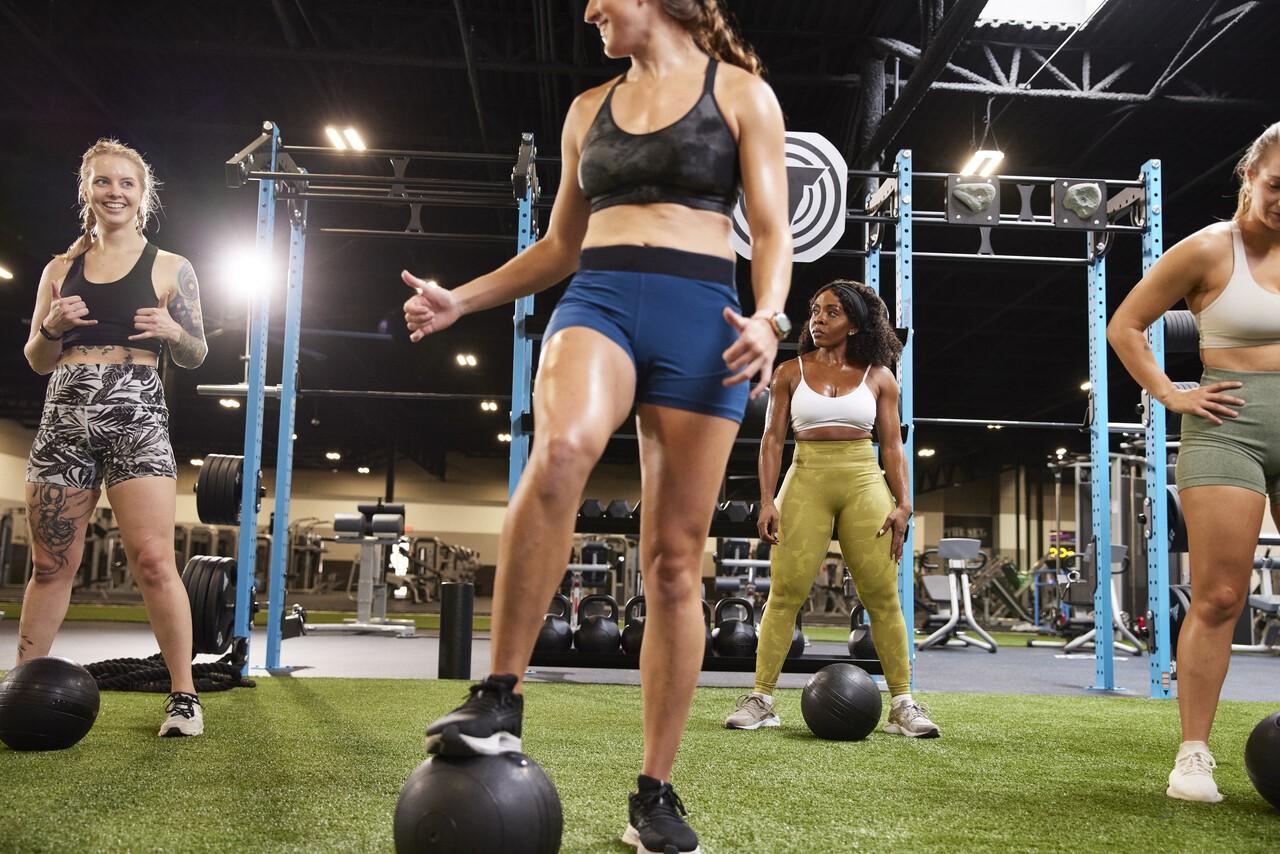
[713, 33]
[1249, 163]
[149, 205]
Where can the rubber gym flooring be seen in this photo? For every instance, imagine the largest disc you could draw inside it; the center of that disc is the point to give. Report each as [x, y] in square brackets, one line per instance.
[1031, 764]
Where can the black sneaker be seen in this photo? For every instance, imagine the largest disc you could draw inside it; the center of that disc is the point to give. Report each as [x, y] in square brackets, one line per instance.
[657, 824]
[487, 724]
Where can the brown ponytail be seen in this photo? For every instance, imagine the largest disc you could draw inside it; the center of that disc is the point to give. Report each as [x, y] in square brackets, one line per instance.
[712, 32]
[149, 204]
[1249, 163]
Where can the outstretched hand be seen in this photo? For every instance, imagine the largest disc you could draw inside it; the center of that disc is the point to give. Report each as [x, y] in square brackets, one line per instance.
[431, 309]
[753, 353]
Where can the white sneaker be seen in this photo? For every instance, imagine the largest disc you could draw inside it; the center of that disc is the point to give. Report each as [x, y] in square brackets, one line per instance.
[909, 719]
[1192, 777]
[753, 712]
[183, 716]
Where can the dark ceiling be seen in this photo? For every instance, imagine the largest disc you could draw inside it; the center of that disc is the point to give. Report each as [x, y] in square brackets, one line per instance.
[189, 84]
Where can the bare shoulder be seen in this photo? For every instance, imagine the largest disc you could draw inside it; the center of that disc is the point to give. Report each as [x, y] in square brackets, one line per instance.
[56, 269]
[744, 90]
[1209, 246]
[882, 379]
[788, 373]
[170, 260]
[585, 106]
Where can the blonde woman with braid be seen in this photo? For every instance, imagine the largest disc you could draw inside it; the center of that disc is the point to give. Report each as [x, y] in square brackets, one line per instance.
[1229, 459]
[105, 309]
[839, 389]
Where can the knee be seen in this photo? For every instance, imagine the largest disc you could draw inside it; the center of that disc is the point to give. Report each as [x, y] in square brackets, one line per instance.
[154, 565]
[49, 570]
[1217, 605]
[561, 462]
[673, 572]
[785, 595]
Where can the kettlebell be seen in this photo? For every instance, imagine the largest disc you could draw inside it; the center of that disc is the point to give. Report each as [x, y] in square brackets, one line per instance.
[554, 636]
[797, 637]
[706, 618]
[734, 638]
[797, 640]
[598, 634]
[633, 632]
[861, 645]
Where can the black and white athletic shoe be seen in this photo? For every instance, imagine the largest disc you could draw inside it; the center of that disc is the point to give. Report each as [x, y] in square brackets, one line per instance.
[487, 724]
[657, 823]
[183, 716]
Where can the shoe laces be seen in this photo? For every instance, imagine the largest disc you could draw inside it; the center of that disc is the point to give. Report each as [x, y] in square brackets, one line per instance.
[181, 705]
[662, 797]
[490, 694]
[752, 699]
[913, 710]
[1196, 762]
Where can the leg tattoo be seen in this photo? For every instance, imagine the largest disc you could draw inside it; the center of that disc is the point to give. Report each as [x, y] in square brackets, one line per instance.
[55, 517]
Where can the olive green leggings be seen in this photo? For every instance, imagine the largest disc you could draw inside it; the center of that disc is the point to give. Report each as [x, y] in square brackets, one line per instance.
[840, 485]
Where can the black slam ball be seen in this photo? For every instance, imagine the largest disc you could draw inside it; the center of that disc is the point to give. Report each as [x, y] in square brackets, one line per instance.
[48, 703]
[501, 804]
[841, 702]
[1262, 759]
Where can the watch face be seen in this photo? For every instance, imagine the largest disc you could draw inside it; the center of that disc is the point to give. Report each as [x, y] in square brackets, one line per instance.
[783, 323]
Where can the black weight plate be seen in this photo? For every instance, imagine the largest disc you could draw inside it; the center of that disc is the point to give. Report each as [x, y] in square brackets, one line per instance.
[201, 620]
[229, 503]
[204, 485]
[222, 601]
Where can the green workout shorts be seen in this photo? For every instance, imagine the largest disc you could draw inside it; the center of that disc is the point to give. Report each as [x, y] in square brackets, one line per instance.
[1242, 451]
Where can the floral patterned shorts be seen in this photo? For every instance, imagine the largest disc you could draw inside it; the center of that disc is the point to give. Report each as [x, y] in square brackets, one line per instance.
[102, 422]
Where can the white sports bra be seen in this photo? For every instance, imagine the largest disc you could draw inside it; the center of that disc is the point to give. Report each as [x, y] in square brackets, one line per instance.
[857, 409]
[1245, 314]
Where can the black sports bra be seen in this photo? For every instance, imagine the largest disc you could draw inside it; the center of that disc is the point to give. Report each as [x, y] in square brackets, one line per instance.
[693, 162]
[113, 304]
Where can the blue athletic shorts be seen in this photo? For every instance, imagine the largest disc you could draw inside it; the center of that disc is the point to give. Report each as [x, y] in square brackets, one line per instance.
[664, 307]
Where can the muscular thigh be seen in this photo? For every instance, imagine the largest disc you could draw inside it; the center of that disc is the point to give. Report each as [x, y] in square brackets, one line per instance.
[683, 456]
[585, 386]
[57, 516]
[1223, 523]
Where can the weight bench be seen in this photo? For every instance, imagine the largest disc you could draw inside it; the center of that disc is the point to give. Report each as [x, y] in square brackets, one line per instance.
[962, 556]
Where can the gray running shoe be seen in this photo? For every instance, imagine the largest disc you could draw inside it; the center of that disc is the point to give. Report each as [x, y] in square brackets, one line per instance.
[909, 719]
[752, 713]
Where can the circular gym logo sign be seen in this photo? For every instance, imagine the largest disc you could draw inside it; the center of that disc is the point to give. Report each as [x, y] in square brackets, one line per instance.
[816, 179]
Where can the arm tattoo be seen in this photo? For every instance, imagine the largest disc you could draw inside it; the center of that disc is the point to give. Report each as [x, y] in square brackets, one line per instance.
[190, 348]
[56, 515]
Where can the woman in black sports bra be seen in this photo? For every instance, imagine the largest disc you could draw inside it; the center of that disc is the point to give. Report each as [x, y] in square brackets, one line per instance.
[105, 309]
[651, 168]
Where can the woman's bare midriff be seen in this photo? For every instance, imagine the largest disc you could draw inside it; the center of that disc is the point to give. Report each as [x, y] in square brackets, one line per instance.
[831, 434]
[668, 225]
[107, 354]
[1264, 358]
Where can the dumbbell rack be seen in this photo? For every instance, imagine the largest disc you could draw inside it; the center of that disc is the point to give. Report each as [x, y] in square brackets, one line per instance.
[717, 663]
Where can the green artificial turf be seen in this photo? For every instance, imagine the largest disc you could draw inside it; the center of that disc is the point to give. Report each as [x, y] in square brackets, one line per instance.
[317, 764]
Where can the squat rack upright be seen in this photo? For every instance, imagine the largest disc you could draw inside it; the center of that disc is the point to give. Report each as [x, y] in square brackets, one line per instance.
[269, 162]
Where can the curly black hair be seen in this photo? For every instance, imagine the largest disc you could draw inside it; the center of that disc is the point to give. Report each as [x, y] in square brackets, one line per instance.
[875, 342]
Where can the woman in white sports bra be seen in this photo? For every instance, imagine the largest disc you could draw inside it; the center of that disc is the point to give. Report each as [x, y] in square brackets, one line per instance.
[838, 390]
[1229, 459]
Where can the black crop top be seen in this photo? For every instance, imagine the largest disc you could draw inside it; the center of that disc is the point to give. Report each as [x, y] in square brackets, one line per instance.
[692, 162]
[112, 304]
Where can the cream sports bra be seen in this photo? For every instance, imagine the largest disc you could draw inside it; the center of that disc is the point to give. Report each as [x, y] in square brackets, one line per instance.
[857, 409]
[1245, 314]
